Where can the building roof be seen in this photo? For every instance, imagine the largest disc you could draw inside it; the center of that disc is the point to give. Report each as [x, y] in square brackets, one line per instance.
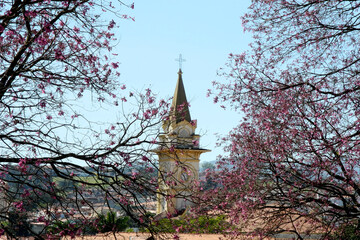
[180, 106]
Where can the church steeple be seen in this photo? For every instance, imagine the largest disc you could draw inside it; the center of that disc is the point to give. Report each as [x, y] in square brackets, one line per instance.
[179, 155]
[180, 107]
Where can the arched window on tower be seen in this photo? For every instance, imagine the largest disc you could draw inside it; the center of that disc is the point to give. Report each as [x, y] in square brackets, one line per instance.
[184, 133]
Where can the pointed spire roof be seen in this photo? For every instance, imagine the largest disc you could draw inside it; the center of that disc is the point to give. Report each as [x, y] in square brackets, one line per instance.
[180, 106]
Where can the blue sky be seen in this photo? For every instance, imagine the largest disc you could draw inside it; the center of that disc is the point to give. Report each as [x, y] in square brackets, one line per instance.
[204, 32]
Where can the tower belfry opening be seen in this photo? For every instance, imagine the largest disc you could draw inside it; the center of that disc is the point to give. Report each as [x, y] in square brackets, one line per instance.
[179, 155]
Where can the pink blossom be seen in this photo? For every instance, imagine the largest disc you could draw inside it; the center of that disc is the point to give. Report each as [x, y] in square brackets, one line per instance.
[42, 41]
[172, 148]
[154, 112]
[10, 33]
[146, 115]
[19, 206]
[23, 165]
[41, 219]
[195, 143]
[134, 174]
[26, 193]
[58, 54]
[111, 24]
[115, 65]
[151, 100]
[42, 104]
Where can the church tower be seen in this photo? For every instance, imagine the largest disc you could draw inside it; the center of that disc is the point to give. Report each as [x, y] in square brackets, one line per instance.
[179, 155]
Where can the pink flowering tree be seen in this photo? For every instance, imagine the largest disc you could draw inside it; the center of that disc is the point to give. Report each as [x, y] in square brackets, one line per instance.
[293, 162]
[57, 161]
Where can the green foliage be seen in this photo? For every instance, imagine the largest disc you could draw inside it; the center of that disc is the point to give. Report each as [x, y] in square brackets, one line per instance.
[109, 222]
[348, 232]
[207, 165]
[18, 224]
[104, 223]
[202, 224]
[63, 228]
[4, 224]
[77, 180]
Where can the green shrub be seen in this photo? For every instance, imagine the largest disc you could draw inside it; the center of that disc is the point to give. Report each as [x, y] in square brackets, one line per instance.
[348, 232]
[64, 228]
[103, 224]
[202, 224]
[110, 222]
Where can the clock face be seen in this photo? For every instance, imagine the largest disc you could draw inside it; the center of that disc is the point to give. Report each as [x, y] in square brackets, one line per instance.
[184, 176]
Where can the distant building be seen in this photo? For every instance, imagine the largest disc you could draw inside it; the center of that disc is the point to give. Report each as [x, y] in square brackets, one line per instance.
[4, 201]
[179, 155]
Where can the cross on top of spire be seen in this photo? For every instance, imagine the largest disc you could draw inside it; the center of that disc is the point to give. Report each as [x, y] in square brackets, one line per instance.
[180, 60]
